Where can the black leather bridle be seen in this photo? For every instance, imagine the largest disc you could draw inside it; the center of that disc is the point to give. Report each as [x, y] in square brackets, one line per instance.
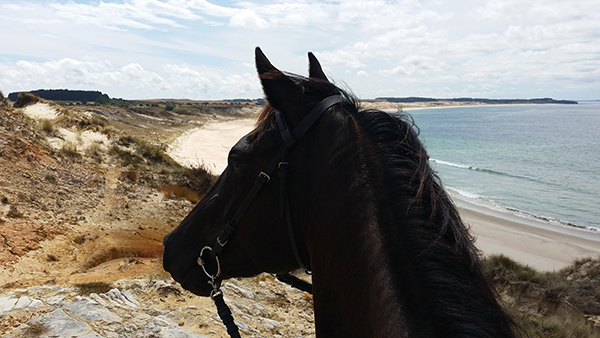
[210, 255]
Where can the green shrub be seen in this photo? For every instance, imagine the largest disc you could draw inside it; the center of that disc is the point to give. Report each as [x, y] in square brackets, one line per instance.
[169, 106]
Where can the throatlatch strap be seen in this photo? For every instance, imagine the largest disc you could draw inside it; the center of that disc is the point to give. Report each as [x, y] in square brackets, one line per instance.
[295, 282]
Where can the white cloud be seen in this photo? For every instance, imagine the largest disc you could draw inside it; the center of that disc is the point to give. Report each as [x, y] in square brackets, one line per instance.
[172, 80]
[197, 48]
[137, 15]
[248, 19]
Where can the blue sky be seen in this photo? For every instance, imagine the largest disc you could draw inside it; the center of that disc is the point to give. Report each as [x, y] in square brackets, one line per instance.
[202, 49]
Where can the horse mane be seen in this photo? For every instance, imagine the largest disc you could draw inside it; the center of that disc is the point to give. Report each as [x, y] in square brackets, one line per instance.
[429, 249]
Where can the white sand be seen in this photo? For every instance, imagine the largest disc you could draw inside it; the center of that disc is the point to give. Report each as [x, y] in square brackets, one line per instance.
[82, 140]
[210, 144]
[541, 245]
[41, 111]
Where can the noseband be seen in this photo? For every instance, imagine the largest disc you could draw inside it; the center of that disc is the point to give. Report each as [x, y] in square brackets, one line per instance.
[290, 138]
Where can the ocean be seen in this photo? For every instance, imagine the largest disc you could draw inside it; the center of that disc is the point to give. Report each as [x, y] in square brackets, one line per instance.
[539, 161]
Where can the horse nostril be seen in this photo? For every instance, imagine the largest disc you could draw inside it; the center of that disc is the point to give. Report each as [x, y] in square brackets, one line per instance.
[165, 239]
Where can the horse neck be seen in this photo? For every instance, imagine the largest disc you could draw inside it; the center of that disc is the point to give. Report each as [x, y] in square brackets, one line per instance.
[375, 272]
[354, 295]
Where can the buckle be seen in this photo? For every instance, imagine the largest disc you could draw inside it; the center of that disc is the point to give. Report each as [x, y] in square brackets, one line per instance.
[221, 244]
[263, 177]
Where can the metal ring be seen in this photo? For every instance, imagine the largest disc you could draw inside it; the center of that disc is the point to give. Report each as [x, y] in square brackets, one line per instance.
[200, 262]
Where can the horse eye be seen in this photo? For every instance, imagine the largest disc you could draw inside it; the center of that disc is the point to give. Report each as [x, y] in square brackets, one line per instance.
[236, 166]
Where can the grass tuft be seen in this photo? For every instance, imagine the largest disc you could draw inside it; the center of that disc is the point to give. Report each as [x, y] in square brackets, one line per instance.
[85, 289]
[70, 149]
[35, 330]
[47, 125]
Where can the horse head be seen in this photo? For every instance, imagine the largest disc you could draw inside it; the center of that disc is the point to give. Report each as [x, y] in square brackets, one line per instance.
[260, 242]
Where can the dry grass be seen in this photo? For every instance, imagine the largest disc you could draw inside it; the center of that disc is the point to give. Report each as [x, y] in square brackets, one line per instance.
[3, 100]
[69, 149]
[174, 191]
[34, 330]
[26, 99]
[47, 125]
[143, 249]
[85, 289]
[549, 304]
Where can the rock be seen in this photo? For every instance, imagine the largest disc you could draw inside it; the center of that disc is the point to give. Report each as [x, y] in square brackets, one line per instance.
[7, 304]
[134, 308]
[176, 332]
[56, 300]
[56, 324]
[270, 324]
[117, 298]
[240, 291]
[22, 303]
[98, 299]
[91, 310]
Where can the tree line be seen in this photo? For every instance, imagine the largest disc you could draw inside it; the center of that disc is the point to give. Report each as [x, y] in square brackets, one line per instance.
[65, 95]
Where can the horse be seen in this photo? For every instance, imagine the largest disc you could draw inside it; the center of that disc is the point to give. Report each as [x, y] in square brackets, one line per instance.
[356, 202]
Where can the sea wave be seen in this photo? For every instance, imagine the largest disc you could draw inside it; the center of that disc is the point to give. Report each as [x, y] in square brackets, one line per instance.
[497, 206]
[470, 167]
[485, 170]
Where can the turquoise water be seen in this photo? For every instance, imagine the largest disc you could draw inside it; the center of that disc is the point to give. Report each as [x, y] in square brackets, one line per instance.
[543, 160]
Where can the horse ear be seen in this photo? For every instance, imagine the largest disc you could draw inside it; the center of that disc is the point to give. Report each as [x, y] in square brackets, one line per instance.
[282, 93]
[314, 68]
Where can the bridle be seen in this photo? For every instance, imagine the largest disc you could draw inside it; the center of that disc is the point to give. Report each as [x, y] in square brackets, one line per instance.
[210, 255]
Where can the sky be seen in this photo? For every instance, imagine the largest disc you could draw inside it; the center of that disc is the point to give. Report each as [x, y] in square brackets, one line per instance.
[198, 49]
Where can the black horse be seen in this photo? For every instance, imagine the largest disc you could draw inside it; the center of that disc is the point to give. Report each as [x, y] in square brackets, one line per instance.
[356, 202]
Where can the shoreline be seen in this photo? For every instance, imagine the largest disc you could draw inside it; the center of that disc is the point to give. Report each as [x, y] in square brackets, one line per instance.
[534, 242]
[542, 245]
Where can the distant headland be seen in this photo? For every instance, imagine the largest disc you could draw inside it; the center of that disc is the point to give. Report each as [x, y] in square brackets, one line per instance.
[469, 100]
[97, 97]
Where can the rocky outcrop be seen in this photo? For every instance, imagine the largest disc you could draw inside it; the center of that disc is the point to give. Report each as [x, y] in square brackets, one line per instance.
[155, 308]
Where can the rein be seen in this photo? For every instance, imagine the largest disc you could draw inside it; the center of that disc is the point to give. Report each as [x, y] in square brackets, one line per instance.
[209, 256]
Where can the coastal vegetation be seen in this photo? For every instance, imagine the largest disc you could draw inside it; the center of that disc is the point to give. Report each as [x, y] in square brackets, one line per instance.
[560, 304]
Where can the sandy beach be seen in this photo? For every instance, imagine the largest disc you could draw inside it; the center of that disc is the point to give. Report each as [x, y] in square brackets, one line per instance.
[535, 242]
